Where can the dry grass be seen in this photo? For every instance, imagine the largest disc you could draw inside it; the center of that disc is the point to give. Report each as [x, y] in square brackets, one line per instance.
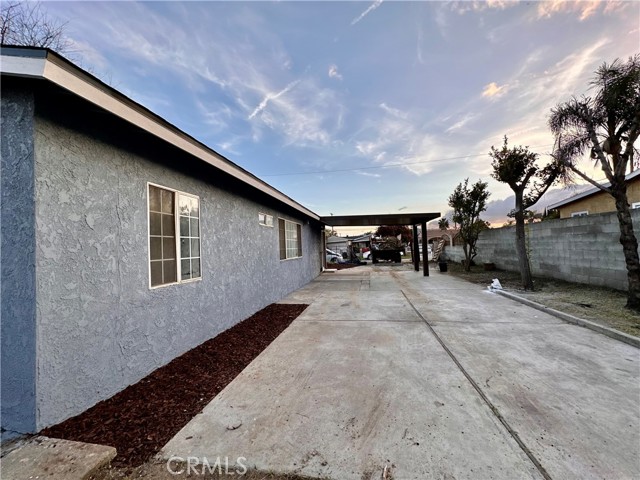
[598, 304]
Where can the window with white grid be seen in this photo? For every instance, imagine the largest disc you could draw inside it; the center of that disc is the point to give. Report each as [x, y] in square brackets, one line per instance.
[174, 236]
[290, 236]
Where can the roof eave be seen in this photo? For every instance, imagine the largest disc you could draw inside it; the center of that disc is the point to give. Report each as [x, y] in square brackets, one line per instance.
[47, 65]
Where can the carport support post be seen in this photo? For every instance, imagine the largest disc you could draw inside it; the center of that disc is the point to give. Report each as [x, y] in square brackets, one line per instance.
[425, 250]
[416, 249]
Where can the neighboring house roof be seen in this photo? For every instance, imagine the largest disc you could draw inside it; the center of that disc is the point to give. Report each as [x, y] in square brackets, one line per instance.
[589, 192]
[337, 239]
[44, 64]
[363, 238]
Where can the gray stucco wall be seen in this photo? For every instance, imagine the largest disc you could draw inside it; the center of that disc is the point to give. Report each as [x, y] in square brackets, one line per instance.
[17, 262]
[100, 327]
[581, 249]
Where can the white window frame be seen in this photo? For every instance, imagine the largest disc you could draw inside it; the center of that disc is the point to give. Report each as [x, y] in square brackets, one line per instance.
[299, 247]
[265, 220]
[583, 213]
[176, 216]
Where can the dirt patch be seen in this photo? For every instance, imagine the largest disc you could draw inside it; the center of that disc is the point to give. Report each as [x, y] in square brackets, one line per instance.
[601, 305]
[142, 418]
[342, 266]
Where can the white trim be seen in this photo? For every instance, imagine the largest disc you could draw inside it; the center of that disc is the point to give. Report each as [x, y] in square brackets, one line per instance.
[70, 77]
[176, 221]
[582, 213]
[23, 66]
[635, 205]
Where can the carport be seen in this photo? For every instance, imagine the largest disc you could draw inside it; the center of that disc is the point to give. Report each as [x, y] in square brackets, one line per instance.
[413, 219]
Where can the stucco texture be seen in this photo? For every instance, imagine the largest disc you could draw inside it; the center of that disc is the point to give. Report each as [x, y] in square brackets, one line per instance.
[17, 261]
[100, 326]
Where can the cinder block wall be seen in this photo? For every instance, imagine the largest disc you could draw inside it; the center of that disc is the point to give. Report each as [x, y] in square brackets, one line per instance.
[582, 249]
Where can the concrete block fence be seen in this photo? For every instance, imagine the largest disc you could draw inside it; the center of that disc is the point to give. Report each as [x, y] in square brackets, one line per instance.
[581, 249]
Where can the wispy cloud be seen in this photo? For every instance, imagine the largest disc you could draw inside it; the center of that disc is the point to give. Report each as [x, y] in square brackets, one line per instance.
[368, 174]
[333, 72]
[401, 141]
[583, 9]
[461, 123]
[272, 96]
[478, 6]
[370, 9]
[419, 41]
[227, 64]
[393, 111]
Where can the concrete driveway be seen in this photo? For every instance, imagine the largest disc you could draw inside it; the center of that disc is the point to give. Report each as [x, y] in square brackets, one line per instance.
[389, 372]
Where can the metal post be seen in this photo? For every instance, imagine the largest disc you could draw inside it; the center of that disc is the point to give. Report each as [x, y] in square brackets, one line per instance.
[416, 250]
[425, 250]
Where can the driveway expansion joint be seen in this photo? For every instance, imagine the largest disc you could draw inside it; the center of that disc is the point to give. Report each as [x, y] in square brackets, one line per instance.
[491, 406]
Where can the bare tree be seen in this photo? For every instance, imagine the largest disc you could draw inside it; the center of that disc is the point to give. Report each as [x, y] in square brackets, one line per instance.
[607, 126]
[28, 24]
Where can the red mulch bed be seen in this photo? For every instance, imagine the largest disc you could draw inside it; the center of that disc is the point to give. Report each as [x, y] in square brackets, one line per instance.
[142, 418]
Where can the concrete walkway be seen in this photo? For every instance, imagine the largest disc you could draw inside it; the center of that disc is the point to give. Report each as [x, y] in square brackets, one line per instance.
[426, 377]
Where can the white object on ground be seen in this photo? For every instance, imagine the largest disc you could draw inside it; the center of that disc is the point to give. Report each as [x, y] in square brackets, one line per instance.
[495, 285]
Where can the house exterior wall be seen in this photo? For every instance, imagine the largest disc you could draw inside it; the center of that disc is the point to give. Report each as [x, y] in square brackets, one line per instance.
[580, 249]
[99, 325]
[601, 202]
[17, 263]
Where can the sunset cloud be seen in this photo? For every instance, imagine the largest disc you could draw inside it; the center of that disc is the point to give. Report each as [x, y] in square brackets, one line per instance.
[493, 90]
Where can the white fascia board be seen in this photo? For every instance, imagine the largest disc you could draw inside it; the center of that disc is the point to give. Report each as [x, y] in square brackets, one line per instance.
[23, 66]
[74, 80]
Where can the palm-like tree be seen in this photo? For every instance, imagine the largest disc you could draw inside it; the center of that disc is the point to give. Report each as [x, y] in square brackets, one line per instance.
[606, 126]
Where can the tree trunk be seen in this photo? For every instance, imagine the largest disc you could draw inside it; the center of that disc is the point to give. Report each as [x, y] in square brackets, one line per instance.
[521, 248]
[467, 258]
[629, 245]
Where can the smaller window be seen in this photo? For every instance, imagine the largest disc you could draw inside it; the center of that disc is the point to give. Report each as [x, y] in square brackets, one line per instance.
[584, 213]
[635, 205]
[266, 220]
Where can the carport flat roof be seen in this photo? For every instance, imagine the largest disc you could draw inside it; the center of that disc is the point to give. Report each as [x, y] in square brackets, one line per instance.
[379, 219]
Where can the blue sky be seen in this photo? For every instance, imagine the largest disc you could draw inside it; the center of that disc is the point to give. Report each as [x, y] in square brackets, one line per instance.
[385, 106]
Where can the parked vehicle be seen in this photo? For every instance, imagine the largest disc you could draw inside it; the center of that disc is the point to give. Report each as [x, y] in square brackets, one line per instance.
[334, 257]
[387, 248]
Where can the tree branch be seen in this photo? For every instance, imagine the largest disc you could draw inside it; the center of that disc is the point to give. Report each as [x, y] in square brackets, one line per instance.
[590, 180]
